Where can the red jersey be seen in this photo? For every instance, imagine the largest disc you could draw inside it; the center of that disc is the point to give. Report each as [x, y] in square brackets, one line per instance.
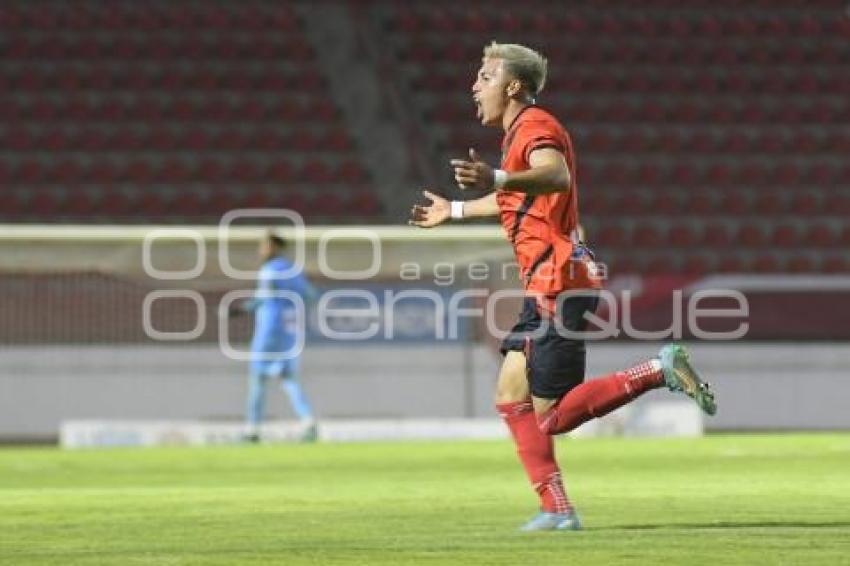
[543, 228]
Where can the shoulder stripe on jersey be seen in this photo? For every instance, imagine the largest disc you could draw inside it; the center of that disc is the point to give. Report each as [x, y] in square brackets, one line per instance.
[527, 203]
[538, 262]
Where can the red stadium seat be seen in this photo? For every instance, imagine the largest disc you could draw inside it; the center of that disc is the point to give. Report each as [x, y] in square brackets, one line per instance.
[28, 171]
[18, 139]
[734, 203]
[64, 172]
[542, 23]
[316, 172]
[631, 202]
[303, 140]
[681, 236]
[715, 235]
[326, 204]
[837, 203]
[750, 236]
[80, 204]
[611, 237]
[663, 203]
[835, 264]
[173, 171]
[43, 203]
[245, 171]
[281, 171]
[845, 236]
[137, 171]
[10, 17]
[768, 204]
[408, 20]
[336, 140]
[262, 140]
[800, 263]
[766, 263]
[210, 170]
[291, 201]
[820, 236]
[476, 19]
[647, 237]
[665, 263]
[102, 172]
[697, 264]
[195, 139]
[805, 204]
[701, 203]
[364, 203]
[351, 172]
[784, 236]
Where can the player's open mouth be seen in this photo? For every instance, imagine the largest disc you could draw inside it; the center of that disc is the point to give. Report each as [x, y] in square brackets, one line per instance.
[478, 111]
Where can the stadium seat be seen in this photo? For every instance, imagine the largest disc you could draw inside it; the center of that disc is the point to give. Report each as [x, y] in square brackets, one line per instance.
[262, 140]
[281, 171]
[28, 171]
[314, 171]
[750, 236]
[766, 263]
[800, 263]
[610, 237]
[837, 203]
[210, 170]
[647, 237]
[245, 171]
[351, 172]
[65, 172]
[835, 264]
[680, 236]
[697, 264]
[652, 137]
[364, 203]
[784, 236]
[715, 235]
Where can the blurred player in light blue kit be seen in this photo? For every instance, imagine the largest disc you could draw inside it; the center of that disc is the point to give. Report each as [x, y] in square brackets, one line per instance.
[276, 336]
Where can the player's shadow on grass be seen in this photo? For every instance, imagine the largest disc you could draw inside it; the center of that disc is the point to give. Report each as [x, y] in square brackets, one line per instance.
[727, 525]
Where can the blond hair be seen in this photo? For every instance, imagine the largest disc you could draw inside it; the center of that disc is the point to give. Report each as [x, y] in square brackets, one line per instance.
[521, 62]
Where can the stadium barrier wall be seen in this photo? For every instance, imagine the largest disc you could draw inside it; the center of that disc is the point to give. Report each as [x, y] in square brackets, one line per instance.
[759, 386]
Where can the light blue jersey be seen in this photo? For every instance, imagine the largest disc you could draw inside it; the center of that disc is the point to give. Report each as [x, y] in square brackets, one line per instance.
[275, 324]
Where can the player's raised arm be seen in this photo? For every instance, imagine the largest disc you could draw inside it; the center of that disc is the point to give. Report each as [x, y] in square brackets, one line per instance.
[441, 210]
[548, 173]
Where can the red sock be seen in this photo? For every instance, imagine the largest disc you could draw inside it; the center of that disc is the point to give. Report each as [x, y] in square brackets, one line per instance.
[536, 451]
[599, 397]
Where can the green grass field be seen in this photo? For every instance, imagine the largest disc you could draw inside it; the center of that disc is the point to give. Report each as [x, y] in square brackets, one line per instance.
[719, 500]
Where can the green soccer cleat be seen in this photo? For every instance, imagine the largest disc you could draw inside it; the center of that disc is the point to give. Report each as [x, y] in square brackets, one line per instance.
[679, 375]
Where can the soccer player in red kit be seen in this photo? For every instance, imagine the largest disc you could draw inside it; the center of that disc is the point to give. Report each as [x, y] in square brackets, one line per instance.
[541, 389]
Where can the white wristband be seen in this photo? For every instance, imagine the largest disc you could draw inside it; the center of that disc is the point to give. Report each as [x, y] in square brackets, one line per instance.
[500, 177]
[457, 209]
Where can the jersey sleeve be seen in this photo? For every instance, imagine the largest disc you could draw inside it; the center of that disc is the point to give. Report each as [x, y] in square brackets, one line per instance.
[537, 134]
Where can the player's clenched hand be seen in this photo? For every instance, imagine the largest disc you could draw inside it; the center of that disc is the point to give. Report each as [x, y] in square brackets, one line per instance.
[473, 174]
[430, 215]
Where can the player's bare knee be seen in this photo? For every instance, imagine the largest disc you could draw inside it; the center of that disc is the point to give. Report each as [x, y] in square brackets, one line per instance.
[511, 388]
[509, 394]
[513, 382]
